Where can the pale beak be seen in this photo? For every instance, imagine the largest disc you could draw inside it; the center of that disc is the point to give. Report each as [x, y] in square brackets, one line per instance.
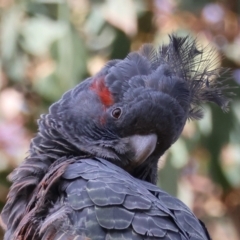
[143, 146]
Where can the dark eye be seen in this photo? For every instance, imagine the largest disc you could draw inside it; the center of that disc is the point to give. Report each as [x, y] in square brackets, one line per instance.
[116, 113]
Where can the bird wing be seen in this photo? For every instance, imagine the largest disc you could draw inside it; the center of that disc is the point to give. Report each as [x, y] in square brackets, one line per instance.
[95, 199]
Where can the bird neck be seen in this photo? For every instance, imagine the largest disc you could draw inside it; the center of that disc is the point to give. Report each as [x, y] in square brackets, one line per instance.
[49, 145]
[49, 141]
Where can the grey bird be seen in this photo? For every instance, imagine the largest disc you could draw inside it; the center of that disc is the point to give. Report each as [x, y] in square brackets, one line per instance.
[92, 168]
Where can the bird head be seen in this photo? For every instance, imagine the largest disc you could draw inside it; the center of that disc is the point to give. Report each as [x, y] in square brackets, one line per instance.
[134, 109]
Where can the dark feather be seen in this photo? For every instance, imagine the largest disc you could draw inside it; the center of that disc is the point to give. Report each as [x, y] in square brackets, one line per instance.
[81, 179]
[196, 68]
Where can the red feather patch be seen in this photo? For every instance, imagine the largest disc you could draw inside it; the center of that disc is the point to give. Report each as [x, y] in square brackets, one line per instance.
[102, 91]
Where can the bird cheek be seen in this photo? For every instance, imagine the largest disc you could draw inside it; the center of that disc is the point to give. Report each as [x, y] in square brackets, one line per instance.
[103, 117]
[102, 120]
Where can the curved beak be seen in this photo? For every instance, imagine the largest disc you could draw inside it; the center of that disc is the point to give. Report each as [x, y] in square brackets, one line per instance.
[142, 146]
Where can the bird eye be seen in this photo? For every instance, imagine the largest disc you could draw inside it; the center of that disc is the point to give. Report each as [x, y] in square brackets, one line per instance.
[116, 113]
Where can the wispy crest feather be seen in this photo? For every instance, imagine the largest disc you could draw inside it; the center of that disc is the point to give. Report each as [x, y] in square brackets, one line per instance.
[199, 68]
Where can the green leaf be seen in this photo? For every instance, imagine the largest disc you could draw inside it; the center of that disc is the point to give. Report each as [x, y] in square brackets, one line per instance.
[40, 32]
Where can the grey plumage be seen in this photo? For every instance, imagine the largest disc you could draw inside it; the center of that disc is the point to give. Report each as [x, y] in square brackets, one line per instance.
[91, 169]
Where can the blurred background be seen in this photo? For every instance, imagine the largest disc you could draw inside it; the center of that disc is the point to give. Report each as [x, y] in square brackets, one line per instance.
[48, 46]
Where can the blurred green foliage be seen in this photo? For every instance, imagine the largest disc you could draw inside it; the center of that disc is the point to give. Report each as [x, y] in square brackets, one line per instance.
[48, 46]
